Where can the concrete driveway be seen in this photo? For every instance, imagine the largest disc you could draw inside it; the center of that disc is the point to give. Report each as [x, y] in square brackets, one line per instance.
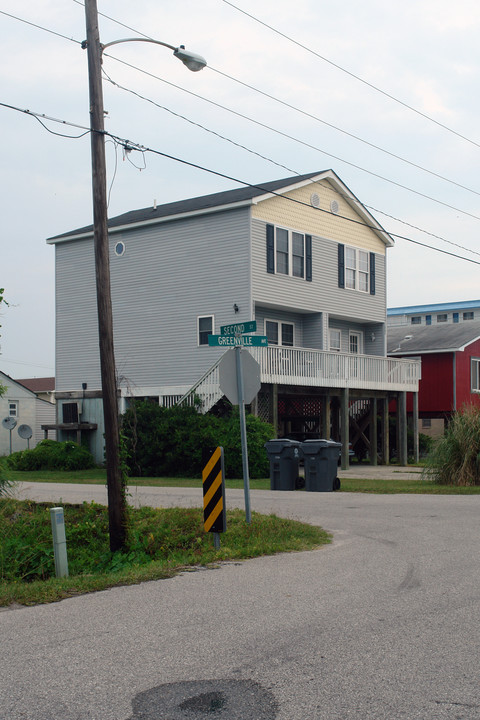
[383, 623]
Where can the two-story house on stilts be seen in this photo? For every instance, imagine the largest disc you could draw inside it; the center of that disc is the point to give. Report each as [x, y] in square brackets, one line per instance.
[301, 256]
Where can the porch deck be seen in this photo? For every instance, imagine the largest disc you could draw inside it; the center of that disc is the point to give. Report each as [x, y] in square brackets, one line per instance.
[317, 368]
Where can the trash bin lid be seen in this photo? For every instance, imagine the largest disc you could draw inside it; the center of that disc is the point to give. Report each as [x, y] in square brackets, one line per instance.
[311, 447]
[281, 443]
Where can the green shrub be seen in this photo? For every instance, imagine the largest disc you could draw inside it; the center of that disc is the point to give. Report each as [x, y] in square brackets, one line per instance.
[455, 457]
[169, 442]
[53, 455]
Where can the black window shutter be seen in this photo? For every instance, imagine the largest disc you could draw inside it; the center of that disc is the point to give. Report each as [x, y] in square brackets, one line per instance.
[341, 266]
[372, 273]
[308, 258]
[270, 249]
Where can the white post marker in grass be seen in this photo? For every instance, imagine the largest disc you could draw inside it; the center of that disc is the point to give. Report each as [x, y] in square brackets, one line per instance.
[59, 542]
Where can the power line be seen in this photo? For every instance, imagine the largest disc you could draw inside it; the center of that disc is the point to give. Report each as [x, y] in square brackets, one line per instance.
[293, 107]
[142, 148]
[351, 74]
[291, 137]
[315, 117]
[274, 162]
[130, 145]
[40, 27]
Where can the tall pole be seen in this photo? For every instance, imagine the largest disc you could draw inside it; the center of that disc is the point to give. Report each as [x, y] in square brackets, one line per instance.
[116, 497]
[243, 433]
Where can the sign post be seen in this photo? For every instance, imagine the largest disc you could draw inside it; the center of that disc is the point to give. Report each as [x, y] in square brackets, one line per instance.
[234, 386]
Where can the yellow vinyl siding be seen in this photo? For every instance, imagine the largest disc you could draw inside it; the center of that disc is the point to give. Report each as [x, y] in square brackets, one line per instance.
[307, 219]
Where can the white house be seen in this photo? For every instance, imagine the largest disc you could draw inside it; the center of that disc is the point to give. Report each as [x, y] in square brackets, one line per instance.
[301, 256]
[22, 408]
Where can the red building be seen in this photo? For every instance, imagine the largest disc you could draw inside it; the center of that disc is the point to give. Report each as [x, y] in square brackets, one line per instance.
[450, 355]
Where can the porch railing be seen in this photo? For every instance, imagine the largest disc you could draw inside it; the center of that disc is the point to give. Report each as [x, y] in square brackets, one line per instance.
[316, 368]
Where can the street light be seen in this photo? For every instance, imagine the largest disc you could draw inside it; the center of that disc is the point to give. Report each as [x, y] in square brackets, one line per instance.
[193, 61]
[115, 491]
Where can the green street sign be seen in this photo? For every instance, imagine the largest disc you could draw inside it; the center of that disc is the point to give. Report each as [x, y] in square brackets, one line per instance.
[239, 328]
[242, 340]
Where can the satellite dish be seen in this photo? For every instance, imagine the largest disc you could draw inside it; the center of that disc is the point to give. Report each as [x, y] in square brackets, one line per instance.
[9, 423]
[25, 432]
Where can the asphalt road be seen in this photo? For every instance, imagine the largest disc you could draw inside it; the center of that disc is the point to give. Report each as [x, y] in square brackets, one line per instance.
[382, 624]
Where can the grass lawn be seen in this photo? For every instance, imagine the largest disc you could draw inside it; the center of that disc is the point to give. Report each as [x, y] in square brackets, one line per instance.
[374, 485]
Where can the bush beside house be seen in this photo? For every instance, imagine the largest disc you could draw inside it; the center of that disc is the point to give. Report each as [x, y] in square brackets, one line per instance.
[169, 442]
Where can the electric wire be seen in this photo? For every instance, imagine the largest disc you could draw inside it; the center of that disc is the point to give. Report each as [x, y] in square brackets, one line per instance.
[353, 75]
[143, 149]
[293, 107]
[40, 27]
[315, 117]
[274, 162]
[298, 202]
[292, 137]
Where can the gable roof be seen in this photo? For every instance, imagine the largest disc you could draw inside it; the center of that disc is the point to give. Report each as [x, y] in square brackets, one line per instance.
[224, 200]
[9, 381]
[438, 338]
[46, 384]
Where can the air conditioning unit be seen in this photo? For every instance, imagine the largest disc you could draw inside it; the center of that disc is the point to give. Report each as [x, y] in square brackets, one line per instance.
[71, 412]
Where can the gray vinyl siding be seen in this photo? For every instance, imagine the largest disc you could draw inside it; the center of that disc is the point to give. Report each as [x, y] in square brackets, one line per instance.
[370, 347]
[45, 415]
[169, 275]
[308, 329]
[322, 294]
[262, 314]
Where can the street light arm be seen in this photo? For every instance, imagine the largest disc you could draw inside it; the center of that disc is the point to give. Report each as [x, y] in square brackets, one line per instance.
[191, 60]
[156, 42]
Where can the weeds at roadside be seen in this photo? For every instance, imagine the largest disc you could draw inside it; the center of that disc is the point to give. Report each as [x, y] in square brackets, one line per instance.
[161, 541]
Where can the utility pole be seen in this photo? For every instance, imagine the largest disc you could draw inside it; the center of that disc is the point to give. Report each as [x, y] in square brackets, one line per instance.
[116, 496]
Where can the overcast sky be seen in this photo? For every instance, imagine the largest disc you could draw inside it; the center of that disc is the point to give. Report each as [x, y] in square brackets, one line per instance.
[423, 53]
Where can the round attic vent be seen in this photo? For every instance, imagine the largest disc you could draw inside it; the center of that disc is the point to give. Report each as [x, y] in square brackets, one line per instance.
[314, 200]
[334, 206]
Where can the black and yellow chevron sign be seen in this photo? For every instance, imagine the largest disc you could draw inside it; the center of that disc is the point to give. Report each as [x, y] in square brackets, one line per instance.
[213, 477]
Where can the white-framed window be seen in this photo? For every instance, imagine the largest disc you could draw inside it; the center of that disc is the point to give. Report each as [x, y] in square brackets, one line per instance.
[335, 340]
[289, 252]
[205, 325]
[443, 317]
[357, 269]
[13, 408]
[468, 315]
[355, 342]
[416, 320]
[279, 333]
[475, 375]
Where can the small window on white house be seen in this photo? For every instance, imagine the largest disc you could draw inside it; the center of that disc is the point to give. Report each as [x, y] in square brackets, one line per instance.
[426, 422]
[279, 333]
[205, 328]
[442, 318]
[13, 408]
[468, 315]
[416, 320]
[475, 372]
[335, 340]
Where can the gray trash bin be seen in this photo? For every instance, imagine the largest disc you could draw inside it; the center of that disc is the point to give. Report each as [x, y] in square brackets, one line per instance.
[284, 455]
[320, 459]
